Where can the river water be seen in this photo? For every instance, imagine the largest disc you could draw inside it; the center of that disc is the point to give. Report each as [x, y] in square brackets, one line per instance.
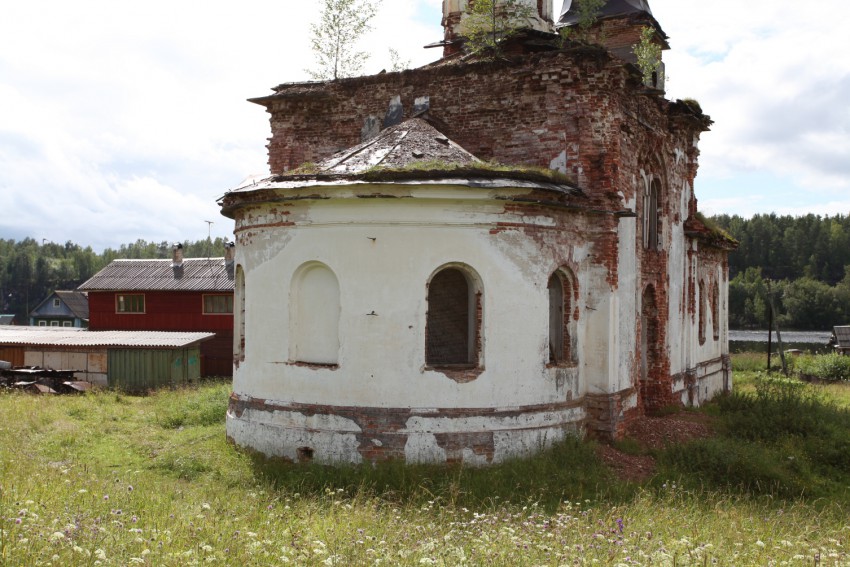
[756, 341]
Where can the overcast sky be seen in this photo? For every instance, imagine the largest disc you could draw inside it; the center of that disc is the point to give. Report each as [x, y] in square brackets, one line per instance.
[123, 120]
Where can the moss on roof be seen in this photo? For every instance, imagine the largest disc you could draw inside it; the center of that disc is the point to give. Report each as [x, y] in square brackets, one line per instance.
[433, 169]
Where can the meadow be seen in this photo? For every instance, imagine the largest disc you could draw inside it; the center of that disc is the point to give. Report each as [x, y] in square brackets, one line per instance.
[112, 479]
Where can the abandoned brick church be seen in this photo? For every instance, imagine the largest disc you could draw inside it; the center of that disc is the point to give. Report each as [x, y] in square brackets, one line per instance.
[401, 296]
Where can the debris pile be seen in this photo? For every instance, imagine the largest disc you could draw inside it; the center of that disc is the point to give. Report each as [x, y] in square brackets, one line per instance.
[41, 380]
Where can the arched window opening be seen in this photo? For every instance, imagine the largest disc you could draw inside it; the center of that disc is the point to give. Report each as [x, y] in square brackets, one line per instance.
[652, 215]
[715, 310]
[453, 320]
[239, 317]
[315, 309]
[561, 332]
[702, 301]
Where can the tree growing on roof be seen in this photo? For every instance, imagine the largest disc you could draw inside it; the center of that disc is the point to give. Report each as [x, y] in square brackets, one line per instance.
[489, 22]
[648, 54]
[588, 12]
[334, 38]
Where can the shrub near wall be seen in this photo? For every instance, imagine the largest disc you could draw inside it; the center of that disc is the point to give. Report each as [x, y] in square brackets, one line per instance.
[829, 367]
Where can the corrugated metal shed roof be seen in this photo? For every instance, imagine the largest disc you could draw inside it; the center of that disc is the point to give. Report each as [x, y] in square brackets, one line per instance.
[77, 302]
[63, 336]
[195, 274]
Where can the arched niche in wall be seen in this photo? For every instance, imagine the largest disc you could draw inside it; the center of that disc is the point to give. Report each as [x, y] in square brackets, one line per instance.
[562, 291]
[649, 337]
[314, 311]
[454, 318]
[239, 316]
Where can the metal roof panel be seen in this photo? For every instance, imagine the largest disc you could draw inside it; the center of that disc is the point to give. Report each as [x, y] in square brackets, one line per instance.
[194, 274]
[70, 337]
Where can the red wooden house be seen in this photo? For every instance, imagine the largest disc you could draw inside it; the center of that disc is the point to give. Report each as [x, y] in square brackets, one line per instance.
[193, 294]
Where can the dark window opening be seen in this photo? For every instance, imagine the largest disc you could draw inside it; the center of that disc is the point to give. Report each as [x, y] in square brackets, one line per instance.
[451, 321]
[702, 302]
[715, 310]
[652, 216]
[560, 318]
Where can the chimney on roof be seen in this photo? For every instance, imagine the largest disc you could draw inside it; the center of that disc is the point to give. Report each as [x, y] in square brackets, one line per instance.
[229, 253]
[177, 256]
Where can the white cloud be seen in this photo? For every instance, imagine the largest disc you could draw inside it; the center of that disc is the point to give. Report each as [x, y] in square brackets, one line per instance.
[772, 76]
[124, 121]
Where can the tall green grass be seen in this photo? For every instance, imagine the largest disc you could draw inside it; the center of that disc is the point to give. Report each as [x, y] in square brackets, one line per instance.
[110, 479]
[780, 437]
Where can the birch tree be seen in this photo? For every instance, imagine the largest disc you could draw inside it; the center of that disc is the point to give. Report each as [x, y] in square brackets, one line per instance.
[488, 22]
[334, 38]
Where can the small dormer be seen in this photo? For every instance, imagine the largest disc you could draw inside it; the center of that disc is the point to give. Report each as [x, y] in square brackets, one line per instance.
[618, 28]
[455, 13]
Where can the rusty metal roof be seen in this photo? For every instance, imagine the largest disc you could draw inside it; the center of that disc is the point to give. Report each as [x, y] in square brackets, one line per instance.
[68, 337]
[195, 274]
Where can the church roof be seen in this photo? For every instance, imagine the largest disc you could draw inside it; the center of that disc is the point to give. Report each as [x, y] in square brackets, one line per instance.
[412, 153]
[569, 14]
[399, 146]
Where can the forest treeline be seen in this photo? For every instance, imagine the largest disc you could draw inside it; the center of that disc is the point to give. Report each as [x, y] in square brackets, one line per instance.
[802, 262]
[30, 270]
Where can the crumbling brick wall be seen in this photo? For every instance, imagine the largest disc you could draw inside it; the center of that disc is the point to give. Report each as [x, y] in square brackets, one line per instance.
[582, 103]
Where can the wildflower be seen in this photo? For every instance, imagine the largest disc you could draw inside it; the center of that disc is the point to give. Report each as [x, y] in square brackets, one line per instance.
[760, 543]
[100, 554]
[205, 506]
[56, 536]
[106, 497]
[17, 520]
[130, 488]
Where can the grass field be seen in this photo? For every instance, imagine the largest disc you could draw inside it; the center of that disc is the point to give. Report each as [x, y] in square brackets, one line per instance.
[110, 479]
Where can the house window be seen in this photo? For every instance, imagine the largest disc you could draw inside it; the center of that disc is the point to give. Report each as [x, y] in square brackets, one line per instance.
[66, 323]
[561, 330]
[56, 302]
[218, 304]
[54, 323]
[134, 303]
[315, 313]
[42, 323]
[452, 324]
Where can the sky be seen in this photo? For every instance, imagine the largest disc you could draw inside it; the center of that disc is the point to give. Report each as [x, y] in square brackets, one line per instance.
[127, 120]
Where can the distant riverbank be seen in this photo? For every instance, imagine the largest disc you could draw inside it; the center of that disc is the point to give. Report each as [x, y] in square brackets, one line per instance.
[756, 341]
